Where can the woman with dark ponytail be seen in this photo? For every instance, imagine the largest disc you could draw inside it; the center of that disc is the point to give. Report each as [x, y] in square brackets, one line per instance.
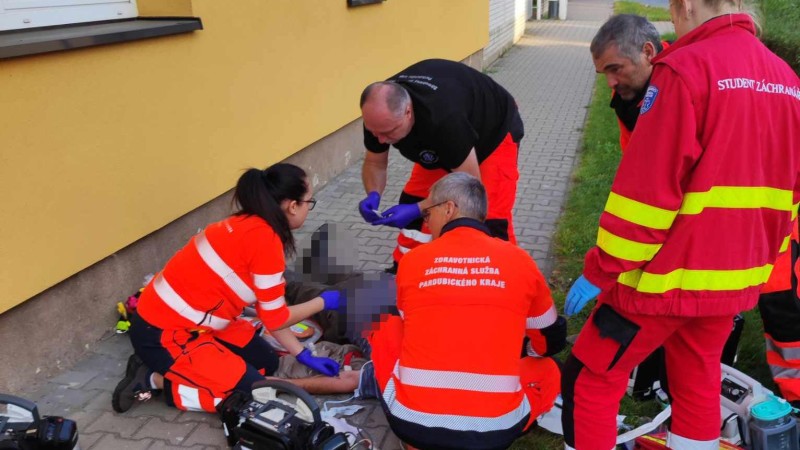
[187, 336]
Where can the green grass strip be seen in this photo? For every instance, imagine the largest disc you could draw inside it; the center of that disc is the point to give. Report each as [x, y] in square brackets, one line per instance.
[653, 13]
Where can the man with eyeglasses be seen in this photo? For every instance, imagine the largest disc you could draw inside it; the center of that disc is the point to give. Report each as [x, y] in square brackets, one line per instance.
[449, 367]
[445, 117]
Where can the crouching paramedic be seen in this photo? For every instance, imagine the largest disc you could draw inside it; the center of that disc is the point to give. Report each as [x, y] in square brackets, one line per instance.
[186, 335]
[449, 367]
[779, 305]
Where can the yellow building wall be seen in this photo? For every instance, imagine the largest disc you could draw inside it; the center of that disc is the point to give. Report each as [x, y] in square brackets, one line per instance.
[102, 146]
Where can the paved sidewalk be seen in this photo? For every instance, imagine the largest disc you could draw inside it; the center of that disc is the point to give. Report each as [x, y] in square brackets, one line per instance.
[550, 74]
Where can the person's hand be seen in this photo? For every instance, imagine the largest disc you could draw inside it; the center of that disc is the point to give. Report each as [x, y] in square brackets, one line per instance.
[369, 206]
[579, 295]
[333, 299]
[400, 216]
[325, 366]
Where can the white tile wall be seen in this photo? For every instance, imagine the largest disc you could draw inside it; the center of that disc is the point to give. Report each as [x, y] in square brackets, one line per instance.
[506, 25]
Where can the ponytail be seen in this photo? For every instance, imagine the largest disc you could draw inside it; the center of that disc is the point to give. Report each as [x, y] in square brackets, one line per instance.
[260, 193]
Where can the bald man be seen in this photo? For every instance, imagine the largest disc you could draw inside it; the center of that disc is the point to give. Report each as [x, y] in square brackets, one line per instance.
[445, 117]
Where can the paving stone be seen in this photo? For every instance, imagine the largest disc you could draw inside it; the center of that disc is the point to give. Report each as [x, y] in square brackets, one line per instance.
[63, 397]
[110, 364]
[173, 433]
[103, 382]
[155, 407]
[84, 419]
[87, 440]
[158, 445]
[204, 434]
[74, 379]
[101, 402]
[109, 442]
[124, 426]
[198, 417]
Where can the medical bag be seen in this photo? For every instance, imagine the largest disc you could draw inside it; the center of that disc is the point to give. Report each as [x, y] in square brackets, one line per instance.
[277, 415]
[21, 428]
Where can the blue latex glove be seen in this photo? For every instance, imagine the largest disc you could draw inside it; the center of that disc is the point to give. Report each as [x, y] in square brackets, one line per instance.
[579, 295]
[400, 216]
[325, 366]
[333, 299]
[368, 206]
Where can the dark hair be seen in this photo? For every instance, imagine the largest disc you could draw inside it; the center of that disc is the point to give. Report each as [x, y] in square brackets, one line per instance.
[260, 193]
[397, 97]
[629, 32]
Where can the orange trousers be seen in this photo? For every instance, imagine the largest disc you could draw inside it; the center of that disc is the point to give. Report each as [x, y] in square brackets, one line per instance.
[499, 175]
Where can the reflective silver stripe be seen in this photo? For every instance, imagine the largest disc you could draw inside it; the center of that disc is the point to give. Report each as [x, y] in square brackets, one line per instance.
[403, 250]
[267, 281]
[212, 259]
[273, 304]
[676, 442]
[422, 238]
[543, 321]
[190, 398]
[779, 372]
[531, 352]
[445, 379]
[787, 353]
[179, 305]
[454, 421]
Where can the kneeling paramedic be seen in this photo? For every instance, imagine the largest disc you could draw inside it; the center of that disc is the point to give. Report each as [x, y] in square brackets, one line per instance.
[187, 336]
[449, 367]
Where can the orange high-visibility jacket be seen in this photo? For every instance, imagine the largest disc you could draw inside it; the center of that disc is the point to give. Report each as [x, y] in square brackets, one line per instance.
[467, 300]
[234, 263]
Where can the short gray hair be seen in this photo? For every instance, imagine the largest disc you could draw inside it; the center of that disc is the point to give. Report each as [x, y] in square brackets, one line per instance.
[465, 191]
[397, 97]
[629, 32]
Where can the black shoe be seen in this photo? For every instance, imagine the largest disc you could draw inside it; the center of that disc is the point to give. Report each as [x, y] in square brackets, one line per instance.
[391, 269]
[135, 387]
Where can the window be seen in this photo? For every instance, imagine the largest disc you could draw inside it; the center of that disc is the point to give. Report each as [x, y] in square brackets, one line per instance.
[22, 14]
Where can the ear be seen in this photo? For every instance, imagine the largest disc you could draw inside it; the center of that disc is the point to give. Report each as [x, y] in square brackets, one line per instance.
[289, 207]
[450, 210]
[688, 7]
[649, 51]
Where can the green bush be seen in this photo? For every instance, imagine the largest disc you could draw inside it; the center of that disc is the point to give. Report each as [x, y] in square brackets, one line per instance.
[780, 19]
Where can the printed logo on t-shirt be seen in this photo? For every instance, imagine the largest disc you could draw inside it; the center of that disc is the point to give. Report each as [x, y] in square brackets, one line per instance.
[428, 157]
[649, 99]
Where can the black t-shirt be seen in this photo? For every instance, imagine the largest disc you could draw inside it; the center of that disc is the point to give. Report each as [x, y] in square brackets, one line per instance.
[627, 110]
[456, 109]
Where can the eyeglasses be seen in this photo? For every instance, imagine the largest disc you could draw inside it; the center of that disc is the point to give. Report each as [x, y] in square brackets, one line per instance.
[426, 213]
[312, 202]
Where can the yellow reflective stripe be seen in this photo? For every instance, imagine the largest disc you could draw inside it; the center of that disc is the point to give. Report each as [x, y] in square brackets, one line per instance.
[785, 244]
[737, 197]
[794, 210]
[695, 280]
[639, 213]
[620, 247]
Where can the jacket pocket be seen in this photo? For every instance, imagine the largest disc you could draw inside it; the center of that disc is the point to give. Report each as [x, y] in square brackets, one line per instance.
[604, 339]
[611, 325]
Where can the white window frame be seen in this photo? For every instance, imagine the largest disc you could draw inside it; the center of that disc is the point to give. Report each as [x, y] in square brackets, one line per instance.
[22, 14]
